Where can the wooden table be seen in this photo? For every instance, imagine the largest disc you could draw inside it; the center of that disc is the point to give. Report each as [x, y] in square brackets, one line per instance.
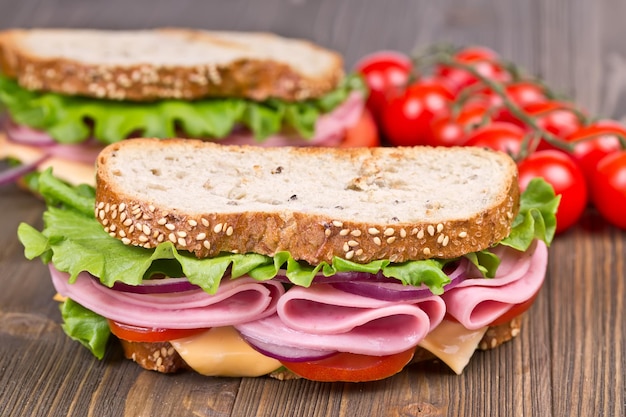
[570, 357]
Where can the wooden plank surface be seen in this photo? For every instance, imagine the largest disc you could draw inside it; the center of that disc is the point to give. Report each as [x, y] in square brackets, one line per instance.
[570, 357]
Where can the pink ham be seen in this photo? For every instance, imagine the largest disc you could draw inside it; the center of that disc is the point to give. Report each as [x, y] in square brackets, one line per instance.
[323, 318]
[477, 302]
[236, 301]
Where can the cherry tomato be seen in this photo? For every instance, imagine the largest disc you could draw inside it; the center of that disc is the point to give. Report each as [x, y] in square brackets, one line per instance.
[363, 133]
[145, 334]
[501, 136]
[483, 60]
[524, 93]
[386, 74]
[609, 188]
[351, 367]
[514, 311]
[567, 179]
[450, 129]
[406, 119]
[594, 142]
[521, 93]
[558, 118]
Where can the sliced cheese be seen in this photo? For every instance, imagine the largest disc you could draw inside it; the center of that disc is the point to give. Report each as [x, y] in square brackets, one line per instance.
[221, 351]
[74, 172]
[453, 343]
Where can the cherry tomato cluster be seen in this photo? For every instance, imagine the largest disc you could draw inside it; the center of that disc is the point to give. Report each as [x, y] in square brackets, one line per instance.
[471, 97]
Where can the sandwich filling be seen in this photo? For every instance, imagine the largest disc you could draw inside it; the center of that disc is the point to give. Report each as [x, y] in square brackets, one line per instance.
[282, 311]
[51, 129]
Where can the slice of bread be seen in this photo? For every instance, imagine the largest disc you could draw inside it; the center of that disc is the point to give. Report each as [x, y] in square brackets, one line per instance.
[359, 204]
[145, 65]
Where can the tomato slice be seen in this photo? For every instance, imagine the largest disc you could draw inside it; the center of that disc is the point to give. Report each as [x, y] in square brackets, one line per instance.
[351, 367]
[134, 333]
[363, 134]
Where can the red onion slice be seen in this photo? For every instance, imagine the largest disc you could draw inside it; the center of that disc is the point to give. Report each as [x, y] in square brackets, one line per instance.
[27, 136]
[156, 286]
[351, 276]
[81, 152]
[396, 291]
[11, 175]
[86, 151]
[286, 353]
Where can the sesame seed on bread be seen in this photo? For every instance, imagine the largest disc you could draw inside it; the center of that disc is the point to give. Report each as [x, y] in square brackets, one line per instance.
[359, 204]
[145, 65]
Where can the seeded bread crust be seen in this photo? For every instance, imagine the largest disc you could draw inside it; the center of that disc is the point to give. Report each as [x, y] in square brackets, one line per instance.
[250, 64]
[162, 357]
[138, 214]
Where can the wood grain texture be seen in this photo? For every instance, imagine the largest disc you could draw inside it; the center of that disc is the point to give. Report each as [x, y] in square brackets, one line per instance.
[570, 357]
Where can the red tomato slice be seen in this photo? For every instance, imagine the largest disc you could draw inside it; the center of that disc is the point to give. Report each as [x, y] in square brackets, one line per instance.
[351, 367]
[146, 334]
[363, 133]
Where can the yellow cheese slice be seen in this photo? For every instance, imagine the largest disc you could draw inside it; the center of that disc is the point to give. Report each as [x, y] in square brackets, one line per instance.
[74, 172]
[453, 343]
[221, 351]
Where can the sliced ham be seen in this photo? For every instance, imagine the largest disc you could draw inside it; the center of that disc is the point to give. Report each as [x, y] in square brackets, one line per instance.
[236, 301]
[477, 302]
[323, 318]
[323, 309]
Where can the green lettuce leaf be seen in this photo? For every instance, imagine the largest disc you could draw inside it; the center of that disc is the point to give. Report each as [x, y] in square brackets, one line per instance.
[536, 218]
[86, 327]
[71, 119]
[485, 261]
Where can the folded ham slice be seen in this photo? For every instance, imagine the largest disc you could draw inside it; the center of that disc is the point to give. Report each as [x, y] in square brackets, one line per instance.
[477, 302]
[236, 301]
[324, 318]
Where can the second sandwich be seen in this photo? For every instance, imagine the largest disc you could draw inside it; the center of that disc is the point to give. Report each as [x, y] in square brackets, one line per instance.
[70, 92]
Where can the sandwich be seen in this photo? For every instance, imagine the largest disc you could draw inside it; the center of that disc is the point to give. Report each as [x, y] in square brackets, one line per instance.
[325, 264]
[69, 92]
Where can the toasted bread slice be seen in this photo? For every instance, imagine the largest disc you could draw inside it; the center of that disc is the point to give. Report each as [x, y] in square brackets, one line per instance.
[359, 204]
[157, 64]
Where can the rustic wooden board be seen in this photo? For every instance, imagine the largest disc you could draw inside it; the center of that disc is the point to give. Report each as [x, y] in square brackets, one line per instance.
[570, 357]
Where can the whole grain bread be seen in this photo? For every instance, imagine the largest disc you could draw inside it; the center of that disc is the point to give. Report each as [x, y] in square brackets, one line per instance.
[359, 204]
[145, 65]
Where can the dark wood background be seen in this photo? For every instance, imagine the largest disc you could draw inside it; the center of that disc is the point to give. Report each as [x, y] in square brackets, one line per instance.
[570, 358]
